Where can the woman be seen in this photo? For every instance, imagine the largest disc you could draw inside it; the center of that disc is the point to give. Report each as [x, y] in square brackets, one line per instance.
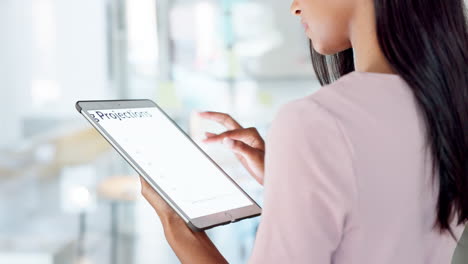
[373, 167]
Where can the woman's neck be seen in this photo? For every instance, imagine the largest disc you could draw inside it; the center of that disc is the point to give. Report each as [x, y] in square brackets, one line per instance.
[368, 56]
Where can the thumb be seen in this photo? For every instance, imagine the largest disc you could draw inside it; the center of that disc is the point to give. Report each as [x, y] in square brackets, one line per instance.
[251, 158]
[241, 148]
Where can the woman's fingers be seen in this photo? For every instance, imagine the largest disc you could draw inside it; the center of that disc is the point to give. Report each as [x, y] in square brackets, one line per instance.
[164, 211]
[240, 147]
[237, 134]
[150, 194]
[209, 134]
[249, 136]
[251, 158]
[224, 119]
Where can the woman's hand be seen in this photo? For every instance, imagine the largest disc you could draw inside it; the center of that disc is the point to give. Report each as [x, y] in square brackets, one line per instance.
[246, 143]
[189, 246]
[167, 215]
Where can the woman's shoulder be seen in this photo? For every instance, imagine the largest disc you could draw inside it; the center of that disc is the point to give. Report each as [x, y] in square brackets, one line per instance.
[318, 103]
[354, 96]
[297, 120]
[348, 106]
[297, 113]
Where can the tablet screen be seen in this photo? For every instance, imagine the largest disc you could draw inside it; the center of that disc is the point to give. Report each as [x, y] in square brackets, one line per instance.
[175, 164]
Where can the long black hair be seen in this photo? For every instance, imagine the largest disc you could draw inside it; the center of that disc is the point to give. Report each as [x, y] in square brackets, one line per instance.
[426, 43]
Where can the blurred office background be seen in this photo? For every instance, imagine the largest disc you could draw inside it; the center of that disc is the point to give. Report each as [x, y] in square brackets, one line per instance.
[65, 195]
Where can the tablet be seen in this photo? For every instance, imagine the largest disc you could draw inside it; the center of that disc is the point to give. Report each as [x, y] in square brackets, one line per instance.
[175, 166]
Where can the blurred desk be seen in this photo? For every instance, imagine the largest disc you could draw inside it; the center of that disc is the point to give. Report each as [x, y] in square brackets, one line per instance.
[120, 188]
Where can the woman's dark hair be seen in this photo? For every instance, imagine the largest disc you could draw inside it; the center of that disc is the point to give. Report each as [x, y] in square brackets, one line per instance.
[426, 43]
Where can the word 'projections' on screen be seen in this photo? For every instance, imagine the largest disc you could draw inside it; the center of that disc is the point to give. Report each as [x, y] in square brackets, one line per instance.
[174, 163]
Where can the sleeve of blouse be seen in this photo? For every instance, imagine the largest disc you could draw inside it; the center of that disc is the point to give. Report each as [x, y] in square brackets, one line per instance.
[309, 187]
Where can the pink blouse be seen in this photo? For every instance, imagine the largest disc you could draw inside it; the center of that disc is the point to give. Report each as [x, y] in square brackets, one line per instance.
[348, 179]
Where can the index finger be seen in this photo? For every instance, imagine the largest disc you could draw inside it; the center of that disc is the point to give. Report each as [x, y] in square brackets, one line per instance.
[221, 118]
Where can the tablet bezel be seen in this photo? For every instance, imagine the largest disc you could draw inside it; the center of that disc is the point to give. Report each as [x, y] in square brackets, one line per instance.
[196, 224]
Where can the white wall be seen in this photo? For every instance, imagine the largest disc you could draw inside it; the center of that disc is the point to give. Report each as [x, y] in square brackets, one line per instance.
[15, 66]
[53, 52]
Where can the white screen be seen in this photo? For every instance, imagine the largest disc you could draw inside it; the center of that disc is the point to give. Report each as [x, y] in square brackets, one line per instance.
[175, 164]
